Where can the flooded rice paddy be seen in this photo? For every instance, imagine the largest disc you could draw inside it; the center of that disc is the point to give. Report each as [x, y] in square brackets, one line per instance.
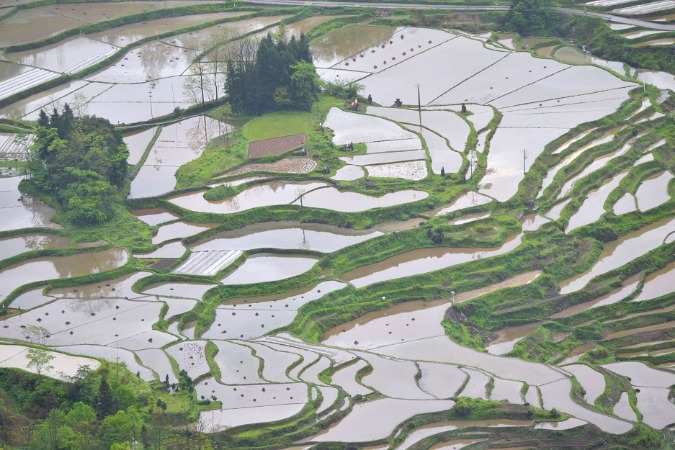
[402, 355]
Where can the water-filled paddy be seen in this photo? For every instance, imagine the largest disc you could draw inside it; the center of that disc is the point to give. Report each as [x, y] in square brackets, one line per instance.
[292, 236]
[621, 251]
[415, 365]
[264, 268]
[423, 261]
[382, 416]
[47, 268]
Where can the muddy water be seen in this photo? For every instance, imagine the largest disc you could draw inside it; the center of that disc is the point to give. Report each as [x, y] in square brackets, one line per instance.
[407, 320]
[382, 417]
[16, 245]
[340, 44]
[264, 268]
[508, 337]
[622, 251]
[629, 286]
[657, 284]
[21, 211]
[33, 24]
[423, 261]
[448, 425]
[332, 198]
[274, 193]
[302, 26]
[286, 235]
[67, 55]
[653, 191]
[620, 334]
[118, 288]
[560, 426]
[177, 144]
[469, 218]
[202, 39]
[59, 267]
[532, 222]
[593, 207]
[577, 353]
[128, 34]
[33, 103]
[466, 201]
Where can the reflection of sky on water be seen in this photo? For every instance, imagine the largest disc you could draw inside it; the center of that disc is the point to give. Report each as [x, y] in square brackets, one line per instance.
[177, 144]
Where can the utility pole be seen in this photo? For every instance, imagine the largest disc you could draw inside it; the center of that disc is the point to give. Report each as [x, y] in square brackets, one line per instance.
[524, 158]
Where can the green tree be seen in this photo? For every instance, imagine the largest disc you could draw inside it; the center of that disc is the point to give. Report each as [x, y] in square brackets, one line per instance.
[121, 427]
[282, 98]
[281, 76]
[104, 401]
[88, 197]
[82, 419]
[80, 160]
[304, 85]
[39, 359]
[530, 16]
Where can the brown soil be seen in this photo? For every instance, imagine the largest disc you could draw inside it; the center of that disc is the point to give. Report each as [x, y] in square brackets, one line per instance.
[163, 263]
[275, 146]
[288, 165]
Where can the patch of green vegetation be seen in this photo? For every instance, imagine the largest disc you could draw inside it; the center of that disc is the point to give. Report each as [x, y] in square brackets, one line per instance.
[220, 193]
[278, 124]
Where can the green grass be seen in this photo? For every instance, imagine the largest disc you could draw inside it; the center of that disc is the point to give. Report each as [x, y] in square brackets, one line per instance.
[278, 124]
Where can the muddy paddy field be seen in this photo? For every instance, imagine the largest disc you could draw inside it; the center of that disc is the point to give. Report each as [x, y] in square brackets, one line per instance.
[491, 267]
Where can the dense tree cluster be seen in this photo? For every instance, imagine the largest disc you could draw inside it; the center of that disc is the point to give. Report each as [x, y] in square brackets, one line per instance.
[94, 410]
[281, 76]
[530, 17]
[82, 161]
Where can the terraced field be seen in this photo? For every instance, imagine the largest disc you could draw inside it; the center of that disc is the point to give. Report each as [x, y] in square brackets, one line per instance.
[490, 265]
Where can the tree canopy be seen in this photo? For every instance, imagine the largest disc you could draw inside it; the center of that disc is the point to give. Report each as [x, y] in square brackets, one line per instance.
[530, 16]
[82, 161]
[281, 76]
